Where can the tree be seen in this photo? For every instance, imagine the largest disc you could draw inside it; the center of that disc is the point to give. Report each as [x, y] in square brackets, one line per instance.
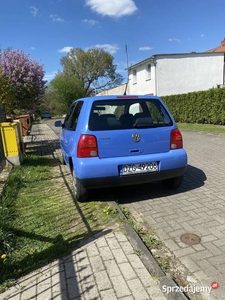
[94, 67]
[69, 88]
[52, 101]
[24, 77]
[6, 95]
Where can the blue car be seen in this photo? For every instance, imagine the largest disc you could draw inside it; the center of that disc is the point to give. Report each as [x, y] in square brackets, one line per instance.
[121, 140]
[46, 115]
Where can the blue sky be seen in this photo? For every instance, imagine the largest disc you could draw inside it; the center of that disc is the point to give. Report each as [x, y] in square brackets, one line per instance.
[47, 29]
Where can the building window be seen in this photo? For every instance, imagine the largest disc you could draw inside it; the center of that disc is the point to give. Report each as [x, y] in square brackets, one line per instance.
[148, 72]
[134, 76]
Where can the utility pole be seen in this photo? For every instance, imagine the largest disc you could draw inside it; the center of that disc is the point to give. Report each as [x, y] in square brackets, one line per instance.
[126, 52]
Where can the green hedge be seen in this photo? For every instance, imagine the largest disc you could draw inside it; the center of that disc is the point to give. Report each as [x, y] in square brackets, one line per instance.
[204, 107]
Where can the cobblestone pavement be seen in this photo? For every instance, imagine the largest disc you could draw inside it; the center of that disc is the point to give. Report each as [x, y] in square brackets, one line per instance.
[105, 267]
[197, 207]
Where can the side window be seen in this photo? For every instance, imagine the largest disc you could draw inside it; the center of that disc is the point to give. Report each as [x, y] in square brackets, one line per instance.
[75, 115]
[72, 116]
[66, 121]
[134, 76]
[148, 72]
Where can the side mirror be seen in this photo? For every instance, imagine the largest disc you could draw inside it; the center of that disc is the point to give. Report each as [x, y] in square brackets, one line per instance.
[58, 123]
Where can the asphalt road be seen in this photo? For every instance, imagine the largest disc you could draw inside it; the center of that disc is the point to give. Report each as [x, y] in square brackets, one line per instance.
[51, 122]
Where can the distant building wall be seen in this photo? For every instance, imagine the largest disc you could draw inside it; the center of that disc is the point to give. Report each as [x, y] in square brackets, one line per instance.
[183, 74]
[144, 81]
[115, 91]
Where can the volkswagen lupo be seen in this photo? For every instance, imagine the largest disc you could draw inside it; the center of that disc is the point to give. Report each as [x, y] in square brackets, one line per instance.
[121, 140]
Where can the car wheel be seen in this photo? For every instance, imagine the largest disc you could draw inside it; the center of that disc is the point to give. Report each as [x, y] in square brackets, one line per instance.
[172, 183]
[80, 193]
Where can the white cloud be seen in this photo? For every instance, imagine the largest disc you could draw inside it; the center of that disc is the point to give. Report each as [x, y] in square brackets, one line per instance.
[33, 10]
[56, 18]
[107, 47]
[174, 40]
[145, 48]
[65, 49]
[32, 48]
[115, 9]
[90, 22]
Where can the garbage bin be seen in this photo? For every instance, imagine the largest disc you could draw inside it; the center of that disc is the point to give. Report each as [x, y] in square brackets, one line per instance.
[20, 135]
[11, 143]
[25, 122]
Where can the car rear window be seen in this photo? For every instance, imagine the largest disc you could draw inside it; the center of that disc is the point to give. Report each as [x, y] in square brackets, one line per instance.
[127, 114]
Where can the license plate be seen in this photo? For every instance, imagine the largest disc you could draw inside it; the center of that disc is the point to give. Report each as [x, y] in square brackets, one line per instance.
[139, 168]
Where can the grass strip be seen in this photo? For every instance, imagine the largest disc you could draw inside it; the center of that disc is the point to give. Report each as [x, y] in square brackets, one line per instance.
[210, 128]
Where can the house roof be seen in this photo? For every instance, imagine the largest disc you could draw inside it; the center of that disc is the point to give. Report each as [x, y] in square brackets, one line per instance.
[220, 48]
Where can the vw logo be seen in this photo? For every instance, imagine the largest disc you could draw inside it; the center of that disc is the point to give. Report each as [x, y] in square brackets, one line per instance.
[136, 137]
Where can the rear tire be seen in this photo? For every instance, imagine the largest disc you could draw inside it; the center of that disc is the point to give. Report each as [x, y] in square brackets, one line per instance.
[172, 183]
[80, 193]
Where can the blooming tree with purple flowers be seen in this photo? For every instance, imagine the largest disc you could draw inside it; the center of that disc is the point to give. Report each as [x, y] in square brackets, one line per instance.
[24, 77]
[5, 94]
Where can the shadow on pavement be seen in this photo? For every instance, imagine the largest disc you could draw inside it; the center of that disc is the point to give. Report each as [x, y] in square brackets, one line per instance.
[60, 278]
[194, 178]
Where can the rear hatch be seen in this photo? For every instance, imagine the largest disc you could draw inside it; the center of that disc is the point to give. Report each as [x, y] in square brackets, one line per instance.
[133, 142]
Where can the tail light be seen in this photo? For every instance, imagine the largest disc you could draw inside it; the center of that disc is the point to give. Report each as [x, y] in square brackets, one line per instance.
[87, 146]
[176, 140]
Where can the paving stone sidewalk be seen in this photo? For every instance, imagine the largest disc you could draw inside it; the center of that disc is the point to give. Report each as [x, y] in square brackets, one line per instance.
[104, 267]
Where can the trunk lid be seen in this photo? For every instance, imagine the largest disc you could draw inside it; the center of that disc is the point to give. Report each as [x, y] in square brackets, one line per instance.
[131, 142]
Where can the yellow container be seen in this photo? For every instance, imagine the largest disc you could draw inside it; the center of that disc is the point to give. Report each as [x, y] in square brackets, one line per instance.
[20, 135]
[10, 138]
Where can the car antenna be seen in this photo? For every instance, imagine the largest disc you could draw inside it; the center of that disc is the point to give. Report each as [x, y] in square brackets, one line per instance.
[126, 51]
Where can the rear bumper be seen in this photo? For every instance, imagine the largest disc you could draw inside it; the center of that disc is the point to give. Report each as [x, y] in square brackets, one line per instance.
[91, 183]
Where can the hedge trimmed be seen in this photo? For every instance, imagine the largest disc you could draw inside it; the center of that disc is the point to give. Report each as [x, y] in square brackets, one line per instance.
[204, 107]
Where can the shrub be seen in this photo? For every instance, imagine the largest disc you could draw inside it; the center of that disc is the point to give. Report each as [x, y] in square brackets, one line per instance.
[204, 107]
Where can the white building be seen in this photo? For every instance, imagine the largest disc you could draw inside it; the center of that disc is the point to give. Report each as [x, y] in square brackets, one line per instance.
[170, 74]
